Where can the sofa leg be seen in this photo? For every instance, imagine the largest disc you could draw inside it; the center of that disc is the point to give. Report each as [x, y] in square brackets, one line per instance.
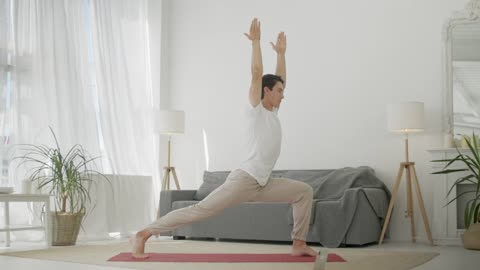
[178, 237]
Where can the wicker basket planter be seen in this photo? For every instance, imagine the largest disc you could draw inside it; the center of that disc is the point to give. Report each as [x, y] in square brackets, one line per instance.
[65, 228]
[471, 238]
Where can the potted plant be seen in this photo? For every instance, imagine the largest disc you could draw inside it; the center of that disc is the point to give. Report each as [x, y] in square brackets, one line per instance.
[470, 163]
[67, 176]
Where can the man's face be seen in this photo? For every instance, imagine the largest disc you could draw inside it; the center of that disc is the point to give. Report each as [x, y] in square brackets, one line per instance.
[275, 95]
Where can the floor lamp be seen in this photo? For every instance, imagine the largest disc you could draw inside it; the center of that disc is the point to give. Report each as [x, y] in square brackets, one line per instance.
[407, 118]
[170, 123]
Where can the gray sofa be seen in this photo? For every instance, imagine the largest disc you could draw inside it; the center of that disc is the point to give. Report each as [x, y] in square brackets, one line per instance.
[349, 207]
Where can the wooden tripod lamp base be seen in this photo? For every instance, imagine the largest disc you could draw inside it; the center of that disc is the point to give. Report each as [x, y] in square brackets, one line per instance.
[166, 178]
[169, 122]
[166, 182]
[411, 177]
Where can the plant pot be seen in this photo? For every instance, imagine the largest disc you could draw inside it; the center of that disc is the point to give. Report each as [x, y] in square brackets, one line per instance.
[65, 228]
[471, 238]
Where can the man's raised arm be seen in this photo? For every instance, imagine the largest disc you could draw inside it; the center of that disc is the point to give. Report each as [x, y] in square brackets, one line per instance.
[255, 94]
[280, 47]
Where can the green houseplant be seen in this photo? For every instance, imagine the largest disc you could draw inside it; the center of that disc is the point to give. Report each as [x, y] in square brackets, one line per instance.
[469, 163]
[67, 176]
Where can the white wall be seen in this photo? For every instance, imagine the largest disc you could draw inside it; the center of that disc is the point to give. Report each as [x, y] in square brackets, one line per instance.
[346, 60]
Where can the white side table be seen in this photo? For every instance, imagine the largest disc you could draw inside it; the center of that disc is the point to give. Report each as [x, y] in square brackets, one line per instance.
[16, 197]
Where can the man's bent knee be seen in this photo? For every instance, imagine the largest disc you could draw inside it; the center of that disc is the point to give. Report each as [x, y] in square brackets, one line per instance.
[307, 190]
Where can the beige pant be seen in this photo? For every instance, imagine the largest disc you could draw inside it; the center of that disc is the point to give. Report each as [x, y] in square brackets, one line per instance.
[241, 187]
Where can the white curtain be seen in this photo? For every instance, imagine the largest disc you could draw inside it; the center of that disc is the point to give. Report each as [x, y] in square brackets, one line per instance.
[49, 83]
[57, 92]
[120, 43]
[82, 67]
[7, 73]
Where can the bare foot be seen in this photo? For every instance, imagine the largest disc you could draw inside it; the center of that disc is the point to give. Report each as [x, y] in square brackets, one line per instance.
[303, 250]
[137, 243]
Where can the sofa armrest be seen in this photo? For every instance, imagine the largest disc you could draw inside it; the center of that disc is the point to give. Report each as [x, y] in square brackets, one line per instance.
[167, 197]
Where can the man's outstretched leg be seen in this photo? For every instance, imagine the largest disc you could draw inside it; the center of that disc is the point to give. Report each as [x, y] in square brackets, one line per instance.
[239, 187]
[300, 195]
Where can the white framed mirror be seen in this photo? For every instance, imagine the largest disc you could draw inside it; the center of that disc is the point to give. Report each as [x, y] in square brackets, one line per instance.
[461, 63]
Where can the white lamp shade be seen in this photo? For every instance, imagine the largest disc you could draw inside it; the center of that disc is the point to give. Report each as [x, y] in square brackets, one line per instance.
[405, 117]
[170, 122]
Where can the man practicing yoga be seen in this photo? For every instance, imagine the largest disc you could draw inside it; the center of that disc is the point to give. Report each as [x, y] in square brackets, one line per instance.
[251, 181]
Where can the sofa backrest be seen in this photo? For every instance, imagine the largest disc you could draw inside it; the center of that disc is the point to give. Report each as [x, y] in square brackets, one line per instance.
[327, 184]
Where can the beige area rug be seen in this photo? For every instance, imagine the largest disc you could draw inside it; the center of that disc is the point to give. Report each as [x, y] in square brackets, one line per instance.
[357, 258]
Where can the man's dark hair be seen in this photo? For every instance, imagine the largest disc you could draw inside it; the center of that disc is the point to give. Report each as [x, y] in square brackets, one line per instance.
[269, 80]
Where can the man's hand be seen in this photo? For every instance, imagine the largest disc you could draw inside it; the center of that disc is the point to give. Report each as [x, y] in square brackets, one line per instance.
[254, 30]
[281, 46]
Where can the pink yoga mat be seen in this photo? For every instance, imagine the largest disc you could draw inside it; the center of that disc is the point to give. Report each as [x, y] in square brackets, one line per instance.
[219, 257]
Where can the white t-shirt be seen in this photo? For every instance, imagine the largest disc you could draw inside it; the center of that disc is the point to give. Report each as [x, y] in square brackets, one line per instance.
[264, 139]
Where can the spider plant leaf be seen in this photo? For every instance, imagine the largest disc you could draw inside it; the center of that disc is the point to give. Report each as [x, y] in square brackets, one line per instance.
[459, 181]
[450, 171]
[459, 195]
